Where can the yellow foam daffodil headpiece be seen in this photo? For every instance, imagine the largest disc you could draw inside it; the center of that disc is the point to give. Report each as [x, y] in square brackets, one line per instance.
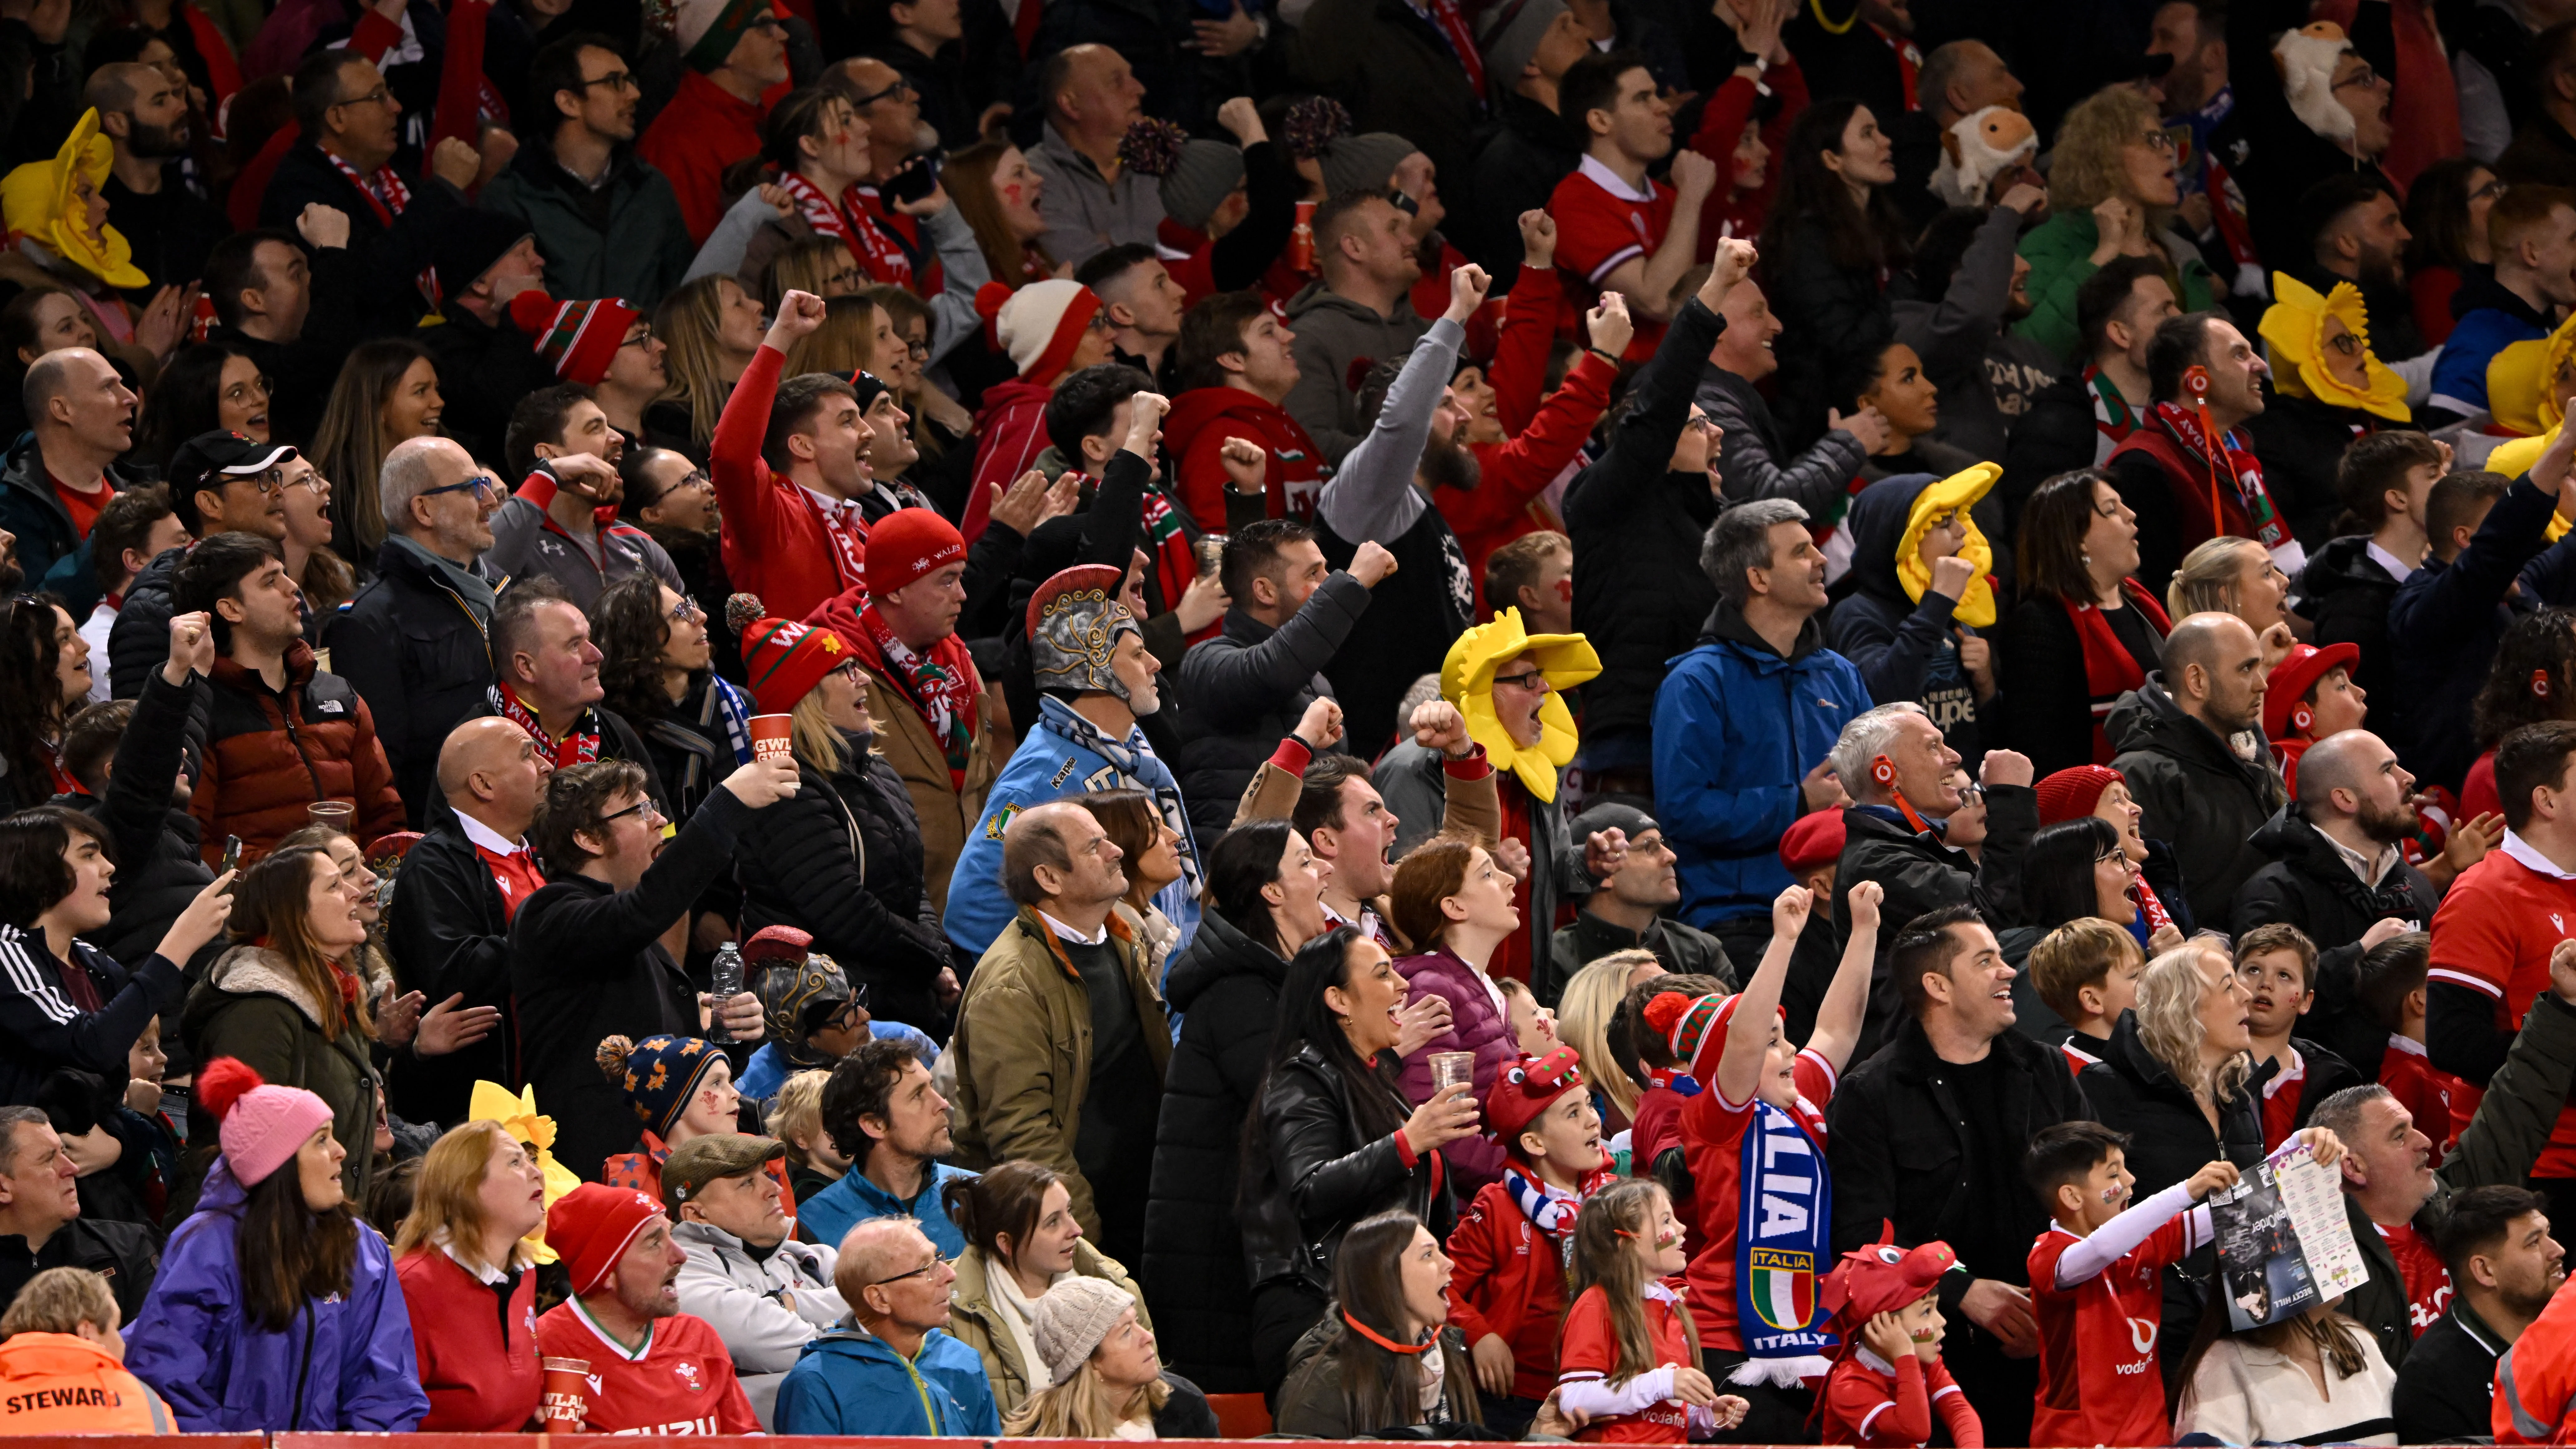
[518, 1116]
[1952, 495]
[2321, 350]
[1467, 681]
[2515, 458]
[49, 200]
[2523, 389]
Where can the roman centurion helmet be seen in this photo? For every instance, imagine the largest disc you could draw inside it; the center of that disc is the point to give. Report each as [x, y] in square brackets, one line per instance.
[1074, 621]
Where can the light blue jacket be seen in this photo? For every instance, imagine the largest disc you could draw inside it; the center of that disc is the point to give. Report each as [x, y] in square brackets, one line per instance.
[769, 1068]
[849, 1382]
[1048, 767]
[831, 1213]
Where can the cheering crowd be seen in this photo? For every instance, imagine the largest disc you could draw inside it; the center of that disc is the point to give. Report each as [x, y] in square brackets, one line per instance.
[1611, 719]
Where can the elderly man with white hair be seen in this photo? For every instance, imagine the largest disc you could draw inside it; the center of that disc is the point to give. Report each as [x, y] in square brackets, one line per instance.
[413, 640]
[1904, 784]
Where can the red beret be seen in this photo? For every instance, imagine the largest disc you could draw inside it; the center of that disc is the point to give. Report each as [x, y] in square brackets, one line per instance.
[1816, 840]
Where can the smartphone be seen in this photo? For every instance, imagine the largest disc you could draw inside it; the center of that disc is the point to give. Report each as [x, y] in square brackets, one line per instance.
[917, 179]
[232, 854]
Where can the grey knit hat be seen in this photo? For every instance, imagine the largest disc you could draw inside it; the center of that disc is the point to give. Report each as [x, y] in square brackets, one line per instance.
[1365, 162]
[1071, 1318]
[1509, 36]
[1206, 173]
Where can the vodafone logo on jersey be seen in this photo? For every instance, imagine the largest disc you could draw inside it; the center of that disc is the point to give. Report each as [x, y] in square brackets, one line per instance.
[2142, 1335]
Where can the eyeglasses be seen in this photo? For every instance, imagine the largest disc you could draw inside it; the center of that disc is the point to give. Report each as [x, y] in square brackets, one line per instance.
[482, 484]
[920, 351]
[685, 610]
[934, 1265]
[2158, 139]
[854, 672]
[315, 484]
[643, 337]
[652, 813]
[843, 277]
[848, 1016]
[2364, 79]
[1971, 794]
[872, 97]
[377, 97]
[616, 80]
[1100, 322]
[2112, 854]
[1534, 680]
[693, 479]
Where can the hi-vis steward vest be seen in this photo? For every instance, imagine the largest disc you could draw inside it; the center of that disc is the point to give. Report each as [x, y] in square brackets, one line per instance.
[56, 1383]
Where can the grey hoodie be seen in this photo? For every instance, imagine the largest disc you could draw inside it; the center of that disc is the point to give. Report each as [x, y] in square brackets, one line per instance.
[1986, 373]
[1333, 334]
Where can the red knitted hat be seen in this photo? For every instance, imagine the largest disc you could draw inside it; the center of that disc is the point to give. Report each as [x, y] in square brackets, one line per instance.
[1039, 324]
[782, 659]
[2072, 794]
[1526, 1089]
[2291, 680]
[578, 339]
[908, 543]
[591, 1226]
[1816, 840]
[1690, 1025]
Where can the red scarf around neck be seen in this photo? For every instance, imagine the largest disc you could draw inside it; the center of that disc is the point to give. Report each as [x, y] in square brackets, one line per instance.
[581, 747]
[939, 683]
[2227, 476]
[2109, 669]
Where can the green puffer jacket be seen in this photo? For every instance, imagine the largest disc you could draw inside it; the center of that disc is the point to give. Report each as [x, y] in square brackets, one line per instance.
[2061, 257]
[627, 240]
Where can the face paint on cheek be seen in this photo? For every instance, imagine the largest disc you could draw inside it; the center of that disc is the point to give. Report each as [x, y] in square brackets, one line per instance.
[1565, 590]
[1011, 193]
[2110, 1195]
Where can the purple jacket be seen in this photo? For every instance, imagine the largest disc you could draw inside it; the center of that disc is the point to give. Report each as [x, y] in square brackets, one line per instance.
[345, 1364]
[1474, 1026]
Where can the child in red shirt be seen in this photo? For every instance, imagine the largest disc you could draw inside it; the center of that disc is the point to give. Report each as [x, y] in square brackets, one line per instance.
[2392, 988]
[1511, 1250]
[1626, 1246]
[1890, 1382]
[2094, 1285]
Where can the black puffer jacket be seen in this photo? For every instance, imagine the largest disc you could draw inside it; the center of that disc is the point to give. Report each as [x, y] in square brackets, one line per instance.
[2307, 885]
[2169, 1140]
[1225, 988]
[2198, 794]
[1247, 686]
[2348, 594]
[841, 860]
[1921, 873]
[159, 867]
[416, 651]
[1318, 1177]
[1639, 595]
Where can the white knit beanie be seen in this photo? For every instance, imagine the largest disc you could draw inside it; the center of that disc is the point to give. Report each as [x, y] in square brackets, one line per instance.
[1069, 1321]
[2307, 59]
[1039, 324]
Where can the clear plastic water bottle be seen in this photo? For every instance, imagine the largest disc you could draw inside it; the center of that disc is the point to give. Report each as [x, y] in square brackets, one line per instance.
[728, 985]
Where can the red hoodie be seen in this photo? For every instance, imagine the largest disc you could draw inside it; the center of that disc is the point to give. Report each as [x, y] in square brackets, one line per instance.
[1012, 426]
[1542, 438]
[1195, 432]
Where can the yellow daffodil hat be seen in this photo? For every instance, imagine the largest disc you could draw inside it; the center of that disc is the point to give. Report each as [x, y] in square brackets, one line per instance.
[1467, 681]
[518, 1116]
[1954, 494]
[2298, 326]
[42, 200]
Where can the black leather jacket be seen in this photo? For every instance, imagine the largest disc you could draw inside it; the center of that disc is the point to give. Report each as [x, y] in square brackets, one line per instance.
[1317, 1178]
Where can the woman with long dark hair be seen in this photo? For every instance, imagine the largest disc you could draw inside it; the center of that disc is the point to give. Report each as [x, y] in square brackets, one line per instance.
[1387, 1359]
[2085, 630]
[1264, 901]
[44, 679]
[275, 1308]
[206, 387]
[286, 1002]
[1022, 1240]
[656, 668]
[387, 393]
[2074, 869]
[1833, 239]
[2446, 220]
[1330, 1139]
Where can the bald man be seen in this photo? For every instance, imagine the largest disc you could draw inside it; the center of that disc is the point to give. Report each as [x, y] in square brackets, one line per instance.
[1093, 203]
[2338, 873]
[450, 923]
[83, 417]
[2190, 741]
[1065, 981]
[412, 642]
[144, 114]
[895, 1370]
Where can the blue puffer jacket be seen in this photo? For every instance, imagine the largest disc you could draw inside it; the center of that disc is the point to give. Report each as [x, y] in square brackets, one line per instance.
[344, 1365]
[1736, 728]
[848, 1381]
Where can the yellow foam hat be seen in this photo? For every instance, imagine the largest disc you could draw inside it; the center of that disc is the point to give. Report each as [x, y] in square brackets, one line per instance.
[518, 1116]
[1954, 494]
[42, 199]
[2298, 325]
[1467, 681]
[2517, 387]
[2515, 459]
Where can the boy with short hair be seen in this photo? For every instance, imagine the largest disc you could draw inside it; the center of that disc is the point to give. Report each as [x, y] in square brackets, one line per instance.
[1533, 1027]
[2392, 989]
[2087, 971]
[2278, 966]
[1512, 1248]
[1533, 573]
[2094, 1282]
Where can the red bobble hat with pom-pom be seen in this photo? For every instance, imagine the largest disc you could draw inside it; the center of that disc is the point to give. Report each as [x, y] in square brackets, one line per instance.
[259, 1125]
[782, 660]
[1691, 1026]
